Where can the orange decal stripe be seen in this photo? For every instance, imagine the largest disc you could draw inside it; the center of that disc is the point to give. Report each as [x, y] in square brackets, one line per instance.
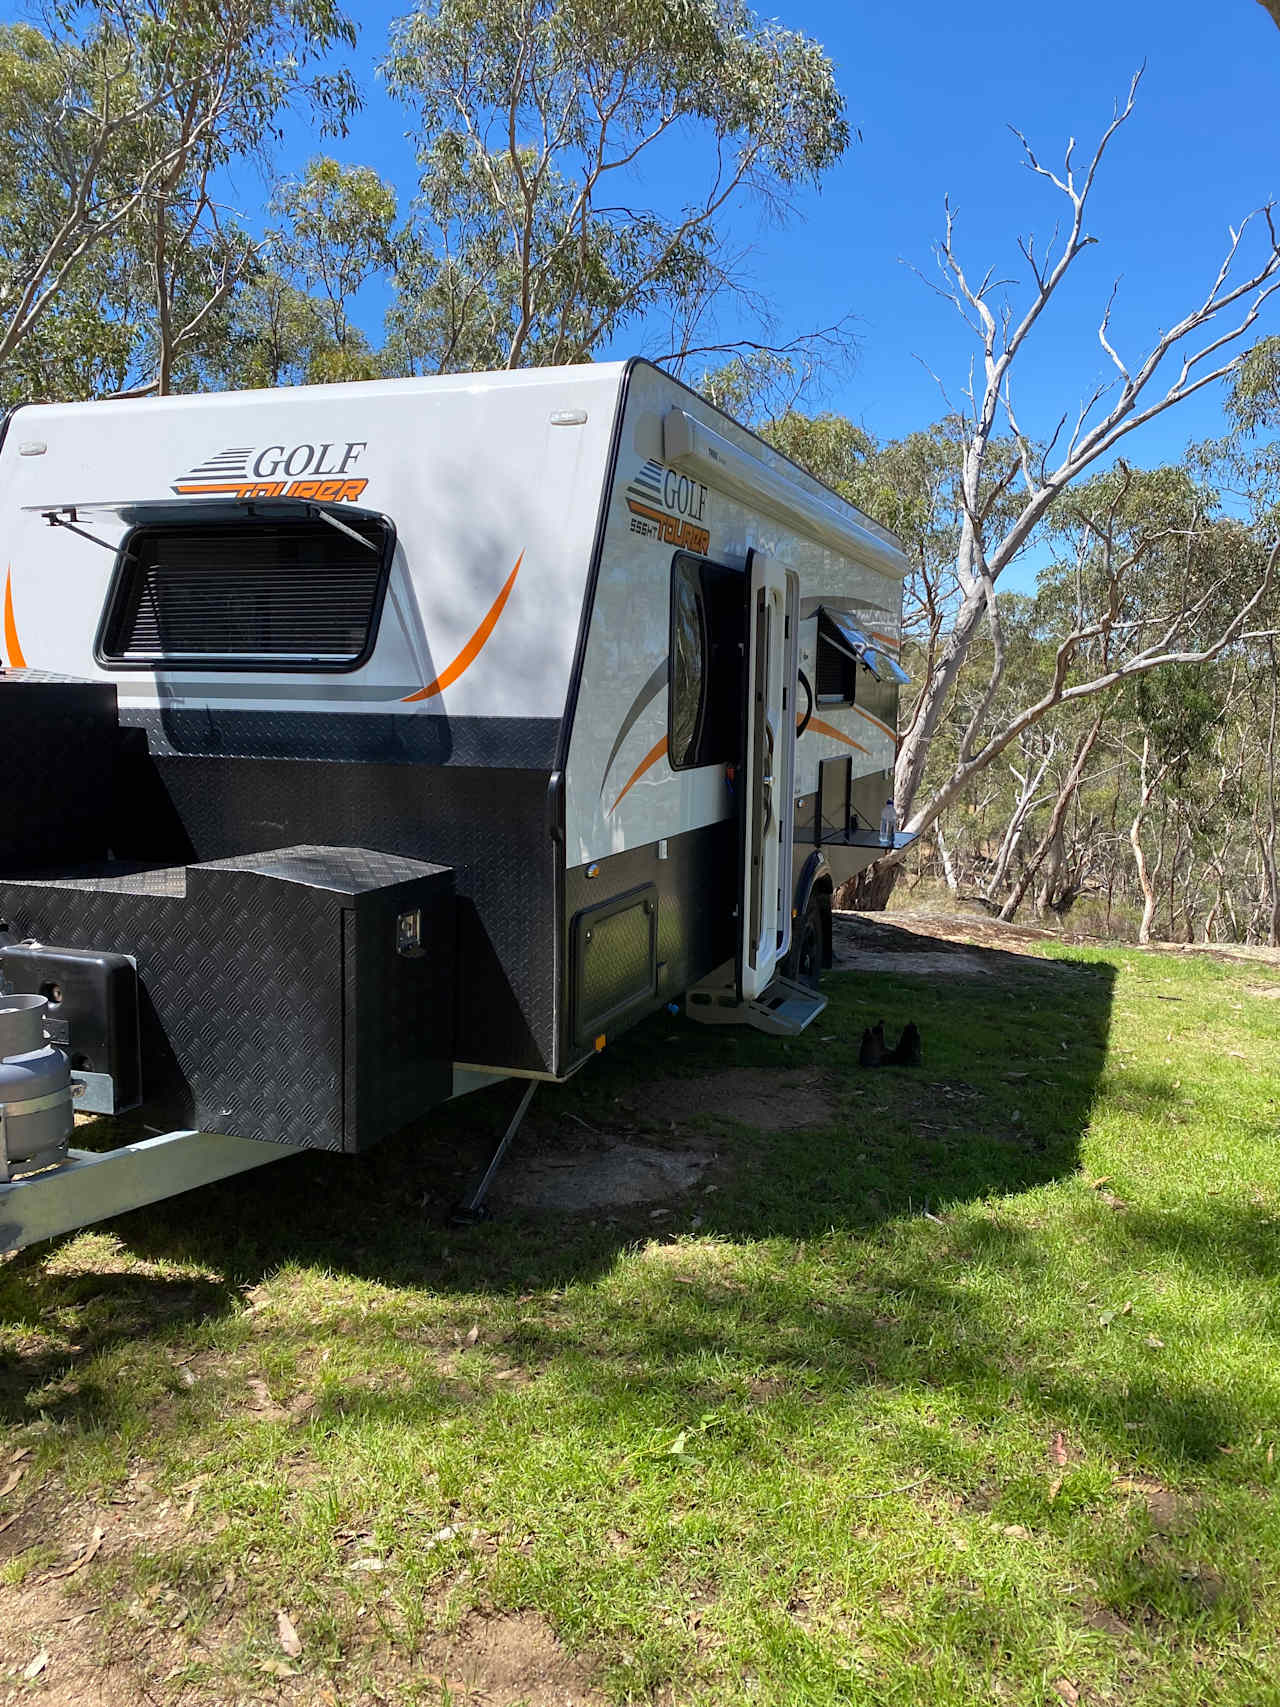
[830, 729]
[472, 650]
[16, 659]
[656, 752]
[889, 641]
[891, 733]
[234, 487]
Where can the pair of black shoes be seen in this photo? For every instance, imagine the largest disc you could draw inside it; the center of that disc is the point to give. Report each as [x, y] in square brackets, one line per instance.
[874, 1051]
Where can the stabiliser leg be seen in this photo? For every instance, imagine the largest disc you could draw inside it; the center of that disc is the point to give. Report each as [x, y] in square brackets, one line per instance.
[471, 1207]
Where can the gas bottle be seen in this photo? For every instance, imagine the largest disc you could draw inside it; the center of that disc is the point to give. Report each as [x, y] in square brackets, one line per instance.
[36, 1110]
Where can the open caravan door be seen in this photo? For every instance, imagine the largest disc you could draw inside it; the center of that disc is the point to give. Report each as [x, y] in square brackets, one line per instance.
[760, 995]
[766, 799]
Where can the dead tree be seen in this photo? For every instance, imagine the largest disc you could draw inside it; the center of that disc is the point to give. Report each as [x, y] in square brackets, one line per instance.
[1203, 346]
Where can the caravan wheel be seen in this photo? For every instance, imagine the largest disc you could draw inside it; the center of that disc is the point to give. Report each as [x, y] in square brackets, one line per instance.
[804, 963]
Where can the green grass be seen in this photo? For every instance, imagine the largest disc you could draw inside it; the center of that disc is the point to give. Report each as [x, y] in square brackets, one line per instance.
[968, 1394]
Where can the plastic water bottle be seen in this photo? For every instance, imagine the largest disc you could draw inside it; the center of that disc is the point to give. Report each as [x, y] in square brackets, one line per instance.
[888, 823]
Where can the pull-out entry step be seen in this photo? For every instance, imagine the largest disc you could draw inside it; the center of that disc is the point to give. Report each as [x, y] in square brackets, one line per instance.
[784, 1009]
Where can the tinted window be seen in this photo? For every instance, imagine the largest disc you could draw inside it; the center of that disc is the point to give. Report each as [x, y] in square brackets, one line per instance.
[260, 593]
[708, 618]
[688, 662]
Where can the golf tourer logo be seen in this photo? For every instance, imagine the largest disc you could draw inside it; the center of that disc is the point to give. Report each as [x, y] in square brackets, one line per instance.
[669, 506]
[319, 471]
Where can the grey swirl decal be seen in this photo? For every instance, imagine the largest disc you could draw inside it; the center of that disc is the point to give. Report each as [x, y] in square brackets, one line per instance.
[648, 693]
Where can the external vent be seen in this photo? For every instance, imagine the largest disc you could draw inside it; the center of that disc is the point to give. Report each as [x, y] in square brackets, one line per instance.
[291, 593]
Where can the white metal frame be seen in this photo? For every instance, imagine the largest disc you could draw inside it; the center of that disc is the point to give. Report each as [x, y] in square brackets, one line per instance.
[94, 1185]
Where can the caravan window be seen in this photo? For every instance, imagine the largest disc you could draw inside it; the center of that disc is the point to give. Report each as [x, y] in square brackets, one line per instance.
[836, 673]
[248, 592]
[708, 621]
[853, 662]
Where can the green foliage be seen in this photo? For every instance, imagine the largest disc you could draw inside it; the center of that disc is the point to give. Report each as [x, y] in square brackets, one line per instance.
[85, 343]
[1253, 400]
[336, 233]
[119, 269]
[1177, 708]
[1247, 457]
[292, 322]
[1132, 545]
[116, 117]
[829, 446]
[272, 334]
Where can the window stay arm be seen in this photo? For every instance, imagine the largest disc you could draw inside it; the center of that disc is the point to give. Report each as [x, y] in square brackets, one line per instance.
[68, 519]
[328, 516]
[844, 647]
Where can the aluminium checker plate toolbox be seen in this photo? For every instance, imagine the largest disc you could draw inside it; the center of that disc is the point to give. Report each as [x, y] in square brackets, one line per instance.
[303, 995]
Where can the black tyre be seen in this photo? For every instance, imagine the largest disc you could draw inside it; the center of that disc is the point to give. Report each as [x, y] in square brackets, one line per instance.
[804, 963]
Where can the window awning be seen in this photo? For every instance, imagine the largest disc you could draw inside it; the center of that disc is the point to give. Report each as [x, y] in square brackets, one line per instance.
[838, 627]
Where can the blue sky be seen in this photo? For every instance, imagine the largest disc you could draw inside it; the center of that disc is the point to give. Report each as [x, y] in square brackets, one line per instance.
[933, 97]
[933, 88]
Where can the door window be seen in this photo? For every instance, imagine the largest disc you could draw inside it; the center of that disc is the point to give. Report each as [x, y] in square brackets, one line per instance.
[707, 635]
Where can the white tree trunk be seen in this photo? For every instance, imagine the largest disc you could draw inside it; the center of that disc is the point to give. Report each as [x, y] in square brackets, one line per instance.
[948, 865]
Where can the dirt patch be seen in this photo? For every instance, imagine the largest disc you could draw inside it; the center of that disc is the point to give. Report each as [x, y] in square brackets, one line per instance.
[62, 1647]
[502, 1659]
[1270, 991]
[52, 1645]
[1170, 1513]
[910, 933]
[949, 965]
[553, 1168]
[1105, 1622]
[941, 1097]
[258, 1402]
[605, 1174]
[928, 947]
[1240, 951]
[36, 1510]
[773, 1102]
[955, 946]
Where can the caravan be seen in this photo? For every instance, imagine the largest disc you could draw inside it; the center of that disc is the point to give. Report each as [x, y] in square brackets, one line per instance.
[364, 744]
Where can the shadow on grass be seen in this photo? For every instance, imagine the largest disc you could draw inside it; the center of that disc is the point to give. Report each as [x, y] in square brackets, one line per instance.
[1011, 1066]
[1010, 1072]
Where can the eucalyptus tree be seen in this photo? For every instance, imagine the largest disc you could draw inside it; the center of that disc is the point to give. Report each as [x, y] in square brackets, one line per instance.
[335, 231]
[536, 123]
[121, 120]
[270, 333]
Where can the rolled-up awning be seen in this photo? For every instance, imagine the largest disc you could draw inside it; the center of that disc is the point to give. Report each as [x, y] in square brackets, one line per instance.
[842, 631]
